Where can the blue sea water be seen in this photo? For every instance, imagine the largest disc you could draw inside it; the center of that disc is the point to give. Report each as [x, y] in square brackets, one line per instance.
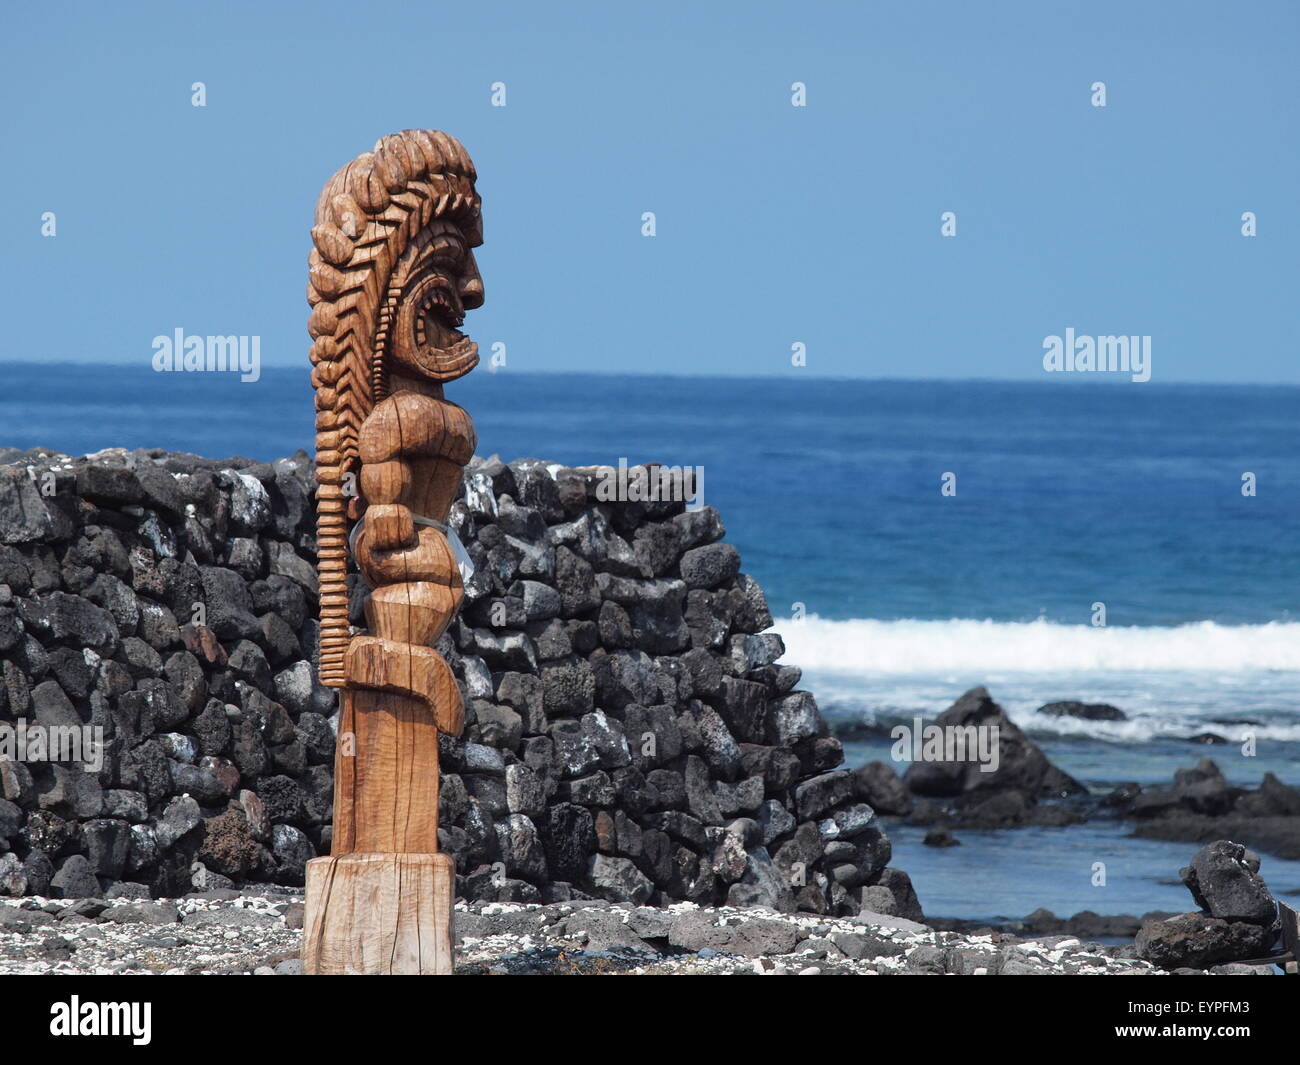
[894, 597]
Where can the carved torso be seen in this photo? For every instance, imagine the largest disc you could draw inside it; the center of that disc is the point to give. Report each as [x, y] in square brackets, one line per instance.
[392, 274]
[413, 447]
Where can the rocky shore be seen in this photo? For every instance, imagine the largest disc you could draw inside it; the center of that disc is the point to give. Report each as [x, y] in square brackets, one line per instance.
[258, 933]
[1198, 806]
[631, 733]
[1237, 918]
[641, 785]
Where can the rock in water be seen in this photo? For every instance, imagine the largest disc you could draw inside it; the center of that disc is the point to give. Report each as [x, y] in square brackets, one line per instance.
[1086, 711]
[1021, 764]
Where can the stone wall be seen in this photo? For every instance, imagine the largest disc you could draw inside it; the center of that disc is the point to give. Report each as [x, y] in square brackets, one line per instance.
[630, 731]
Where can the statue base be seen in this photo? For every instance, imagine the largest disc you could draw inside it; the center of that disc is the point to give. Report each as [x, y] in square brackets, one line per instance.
[379, 914]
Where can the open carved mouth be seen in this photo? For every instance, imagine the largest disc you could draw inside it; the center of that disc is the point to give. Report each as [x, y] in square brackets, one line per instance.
[427, 337]
[439, 315]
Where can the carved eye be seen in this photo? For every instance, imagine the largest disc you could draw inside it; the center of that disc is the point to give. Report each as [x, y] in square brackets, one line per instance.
[447, 253]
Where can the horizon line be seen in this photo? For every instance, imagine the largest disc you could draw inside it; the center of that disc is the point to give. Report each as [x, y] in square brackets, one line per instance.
[1081, 379]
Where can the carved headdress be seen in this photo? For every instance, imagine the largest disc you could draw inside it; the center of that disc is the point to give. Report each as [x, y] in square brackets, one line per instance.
[393, 234]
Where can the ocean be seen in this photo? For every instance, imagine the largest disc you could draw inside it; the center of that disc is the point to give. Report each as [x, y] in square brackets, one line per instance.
[1065, 499]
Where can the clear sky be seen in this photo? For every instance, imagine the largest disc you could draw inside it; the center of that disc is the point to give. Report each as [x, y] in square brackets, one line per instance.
[775, 224]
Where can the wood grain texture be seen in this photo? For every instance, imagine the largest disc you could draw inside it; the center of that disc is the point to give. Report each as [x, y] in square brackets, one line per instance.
[392, 274]
[1290, 922]
[379, 915]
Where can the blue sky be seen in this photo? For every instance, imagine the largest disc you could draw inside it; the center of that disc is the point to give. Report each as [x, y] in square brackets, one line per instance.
[775, 224]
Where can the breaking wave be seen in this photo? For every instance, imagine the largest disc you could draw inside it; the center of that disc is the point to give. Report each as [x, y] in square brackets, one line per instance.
[962, 646]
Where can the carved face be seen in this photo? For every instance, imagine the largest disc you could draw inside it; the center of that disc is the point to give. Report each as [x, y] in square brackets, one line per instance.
[438, 281]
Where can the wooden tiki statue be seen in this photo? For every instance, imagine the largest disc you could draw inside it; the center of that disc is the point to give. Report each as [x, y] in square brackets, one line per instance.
[391, 274]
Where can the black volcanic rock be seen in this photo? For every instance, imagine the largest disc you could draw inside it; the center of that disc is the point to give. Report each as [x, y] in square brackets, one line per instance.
[1198, 941]
[1238, 918]
[1225, 882]
[630, 731]
[1022, 766]
[1086, 711]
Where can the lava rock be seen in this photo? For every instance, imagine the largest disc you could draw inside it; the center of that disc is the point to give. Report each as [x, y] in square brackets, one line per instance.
[1084, 711]
[1225, 882]
[1196, 940]
[1021, 764]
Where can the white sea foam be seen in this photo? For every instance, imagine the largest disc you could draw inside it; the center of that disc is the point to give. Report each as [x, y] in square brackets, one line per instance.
[960, 646]
[1170, 682]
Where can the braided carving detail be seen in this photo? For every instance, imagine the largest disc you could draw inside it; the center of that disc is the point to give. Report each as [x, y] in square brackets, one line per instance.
[369, 213]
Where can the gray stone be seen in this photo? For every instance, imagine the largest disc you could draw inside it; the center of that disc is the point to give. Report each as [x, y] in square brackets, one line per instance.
[125, 889]
[149, 913]
[499, 726]
[107, 845]
[743, 704]
[880, 787]
[618, 880]
[762, 885]
[179, 746]
[292, 851]
[817, 795]
[624, 677]
[11, 819]
[506, 650]
[570, 838]
[16, 782]
[754, 937]
[595, 789]
[23, 516]
[231, 917]
[75, 879]
[52, 708]
[478, 678]
[568, 687]
[748, 652]
[73, 793]
[1223, 884]
[117, 598]
[774, 822]
[710, 566]
[181, 816]
[1198, 941]
[525, 793]
[575, 748]
[540, 600]
[113, 485]
[482, 759]
[521, 848]
[69, 618]
[294, 686]
[13, 878]
[792, 718]
[749, 605]
[717, 744]
[143, 851]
